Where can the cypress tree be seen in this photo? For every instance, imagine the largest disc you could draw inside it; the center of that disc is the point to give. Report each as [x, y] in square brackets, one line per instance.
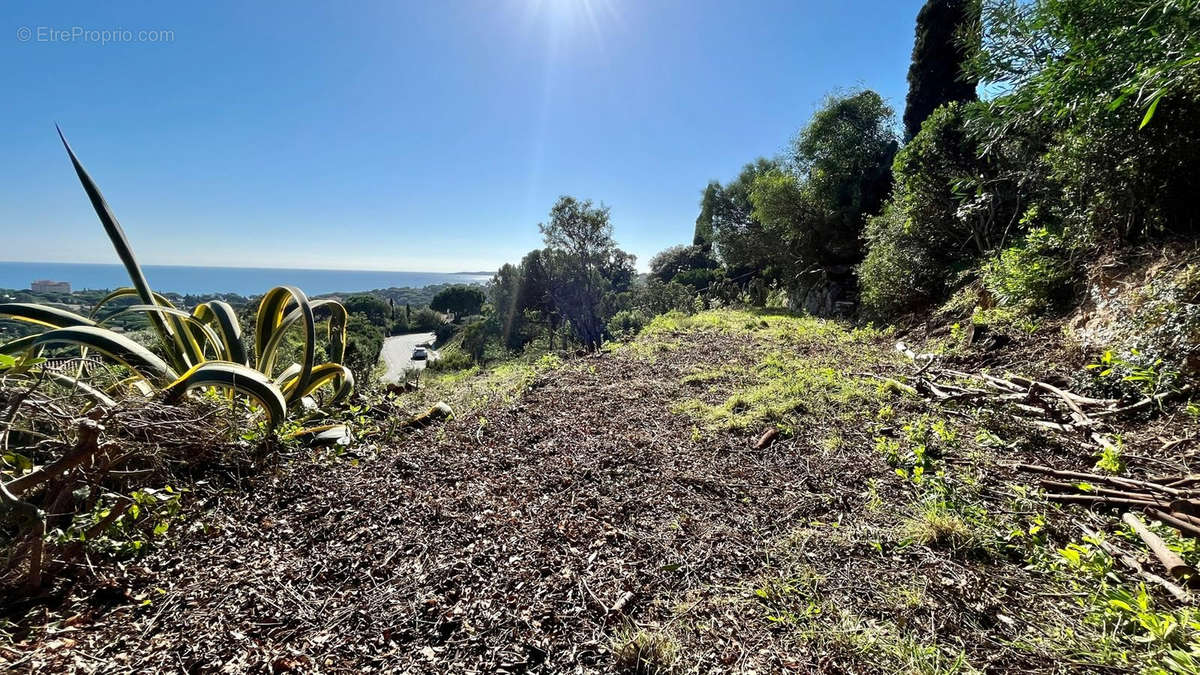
[703, 236]
[936, 75]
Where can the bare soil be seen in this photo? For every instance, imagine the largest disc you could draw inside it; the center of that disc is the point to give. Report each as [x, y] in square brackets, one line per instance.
[541, 534]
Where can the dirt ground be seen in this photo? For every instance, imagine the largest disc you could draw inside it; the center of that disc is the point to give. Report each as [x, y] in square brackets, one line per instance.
[617, 514]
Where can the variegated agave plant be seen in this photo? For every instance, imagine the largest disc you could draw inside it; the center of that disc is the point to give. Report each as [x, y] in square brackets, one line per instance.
[197, 350]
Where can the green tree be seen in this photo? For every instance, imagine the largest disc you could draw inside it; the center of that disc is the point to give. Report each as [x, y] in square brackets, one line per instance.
[671, 262]
[426, 319]
[460, 300]
[375, 309]
[704, 233]
[941, 218]
[845, 156]
[1098, 125]
[945, 30]
[536, 301]
[504, 292]
[746, 248]
[475, 339]
[586, 269]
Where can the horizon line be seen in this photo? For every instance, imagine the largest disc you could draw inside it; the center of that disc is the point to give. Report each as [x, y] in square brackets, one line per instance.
[248, 267]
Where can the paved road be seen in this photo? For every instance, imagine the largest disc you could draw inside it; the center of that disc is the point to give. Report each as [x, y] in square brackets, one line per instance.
[396, 352]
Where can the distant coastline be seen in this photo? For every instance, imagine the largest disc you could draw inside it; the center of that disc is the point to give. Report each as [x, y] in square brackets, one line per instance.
[247, 281]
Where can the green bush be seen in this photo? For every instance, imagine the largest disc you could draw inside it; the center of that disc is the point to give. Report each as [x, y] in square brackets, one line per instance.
[660, 298]
[1032, 275]
[444, 332]
[627, 323]
[1099, 119]
[898, 274]
[364, 340]
[941, 218]
[450, 359]
[425, 319]
[460, 299]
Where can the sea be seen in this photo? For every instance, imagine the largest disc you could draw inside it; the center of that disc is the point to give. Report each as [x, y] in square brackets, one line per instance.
[245, 281]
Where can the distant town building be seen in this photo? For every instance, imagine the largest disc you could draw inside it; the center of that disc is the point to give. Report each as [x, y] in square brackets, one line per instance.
[47, 286]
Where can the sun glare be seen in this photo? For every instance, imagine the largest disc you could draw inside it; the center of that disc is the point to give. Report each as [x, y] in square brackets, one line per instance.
[567, 17]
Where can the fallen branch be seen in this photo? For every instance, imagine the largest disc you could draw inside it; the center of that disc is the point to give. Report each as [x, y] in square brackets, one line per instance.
[767, 438]
[1132, 563]
[908, 389]
[1096, 478]
[1101, 499]
[1186, 517]
[1170, 559]
[622, 603]
[1144, 402]
[1108, 492]
[1185, 528]
[89, 432]
[1070, 396]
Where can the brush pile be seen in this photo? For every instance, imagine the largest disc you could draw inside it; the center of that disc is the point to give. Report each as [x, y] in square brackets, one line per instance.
[66, 481]
[1171, 499]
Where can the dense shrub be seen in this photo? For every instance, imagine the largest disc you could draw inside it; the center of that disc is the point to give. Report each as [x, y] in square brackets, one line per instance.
[1093, 141]
[898, 274]
[459, 299]
[672, 262]
[475, 338]
[443, 332]
[450, 359]
[374, 308]
[1032, 275]
[425, 319]
[660, 298]
[1099, 122]
[939, 220]
[701, 280]
[627, 323]
[364, 340]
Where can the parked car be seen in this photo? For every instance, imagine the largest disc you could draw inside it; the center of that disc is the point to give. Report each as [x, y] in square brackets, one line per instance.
[420, 354]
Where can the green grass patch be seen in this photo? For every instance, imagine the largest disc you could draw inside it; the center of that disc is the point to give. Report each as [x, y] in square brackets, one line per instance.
[804, 367]
[471, 388]
[786, 387]
[804, 618]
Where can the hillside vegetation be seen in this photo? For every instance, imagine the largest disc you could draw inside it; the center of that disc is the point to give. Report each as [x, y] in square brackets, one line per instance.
[618, 511]
[919, 401]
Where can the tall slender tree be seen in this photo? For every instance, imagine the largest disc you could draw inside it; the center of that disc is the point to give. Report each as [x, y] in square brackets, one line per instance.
[703, 236]
[945, 31]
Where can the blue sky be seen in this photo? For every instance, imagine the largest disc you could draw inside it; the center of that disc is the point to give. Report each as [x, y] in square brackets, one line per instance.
[409, 136]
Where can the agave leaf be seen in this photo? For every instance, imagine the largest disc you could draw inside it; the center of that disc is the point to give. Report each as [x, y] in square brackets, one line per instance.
[326, 434]
[288, 373]
[339, 375]
[223, 318]
[177, 346]
[266, 360]
[188, 320]
[337, 330]
[18, 345]
[113, 345]
[271, 323]
[186, 352]
[43, 315]
[125, 292]
[136, 382]
[235, 376]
